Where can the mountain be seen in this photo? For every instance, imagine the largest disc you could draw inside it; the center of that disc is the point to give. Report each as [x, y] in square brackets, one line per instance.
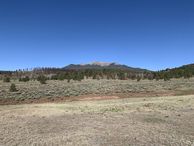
[185, 71]
[188, 67]
[100, 70]
[102, 65]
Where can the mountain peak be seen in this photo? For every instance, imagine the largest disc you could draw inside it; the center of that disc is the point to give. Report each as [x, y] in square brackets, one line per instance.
[103, 64]
[100, 63]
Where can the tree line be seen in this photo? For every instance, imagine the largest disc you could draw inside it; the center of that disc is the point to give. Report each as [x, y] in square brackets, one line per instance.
[43, 74]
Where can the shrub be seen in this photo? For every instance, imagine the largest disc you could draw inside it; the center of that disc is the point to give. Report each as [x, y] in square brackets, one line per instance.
[6, 79]
[25, 79]
[42, 79]
[187, 75]
[12, 88]
[138, 79]
[166, 78]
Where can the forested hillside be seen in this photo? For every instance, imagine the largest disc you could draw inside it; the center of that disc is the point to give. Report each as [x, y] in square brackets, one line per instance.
[111, 71]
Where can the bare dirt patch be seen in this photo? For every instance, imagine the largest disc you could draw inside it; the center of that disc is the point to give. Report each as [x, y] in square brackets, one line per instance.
[14, 101]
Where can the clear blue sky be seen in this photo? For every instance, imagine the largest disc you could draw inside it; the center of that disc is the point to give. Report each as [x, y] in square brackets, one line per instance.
[151, 34]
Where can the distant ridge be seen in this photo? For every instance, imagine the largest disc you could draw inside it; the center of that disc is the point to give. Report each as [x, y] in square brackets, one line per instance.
[100, 70]
[105, 65]
[102, 65]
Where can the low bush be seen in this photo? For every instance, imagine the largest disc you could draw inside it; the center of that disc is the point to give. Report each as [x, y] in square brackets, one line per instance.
[6, 79]
[13, 88]
[42, 79]
[24, 79]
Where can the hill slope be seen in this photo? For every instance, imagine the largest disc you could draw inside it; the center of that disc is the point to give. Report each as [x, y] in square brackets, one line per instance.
[185, 71]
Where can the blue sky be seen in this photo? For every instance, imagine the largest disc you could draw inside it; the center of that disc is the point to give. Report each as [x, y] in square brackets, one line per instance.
[151, 34]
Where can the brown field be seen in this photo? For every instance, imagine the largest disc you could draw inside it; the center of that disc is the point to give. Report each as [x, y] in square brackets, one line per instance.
[118, 122]
[60, 91]
[98, 113]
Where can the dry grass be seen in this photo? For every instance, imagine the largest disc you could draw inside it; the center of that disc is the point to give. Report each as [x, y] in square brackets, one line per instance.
[130, 121]
[34, 90]
[166, 120]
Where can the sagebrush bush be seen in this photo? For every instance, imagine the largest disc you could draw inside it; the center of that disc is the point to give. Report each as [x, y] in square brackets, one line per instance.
[42, 79]
[6, 79]
[13, 88]
[25, 79]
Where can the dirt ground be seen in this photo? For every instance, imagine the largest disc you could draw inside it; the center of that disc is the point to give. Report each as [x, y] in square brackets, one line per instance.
[150, 121]
[14, 101]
